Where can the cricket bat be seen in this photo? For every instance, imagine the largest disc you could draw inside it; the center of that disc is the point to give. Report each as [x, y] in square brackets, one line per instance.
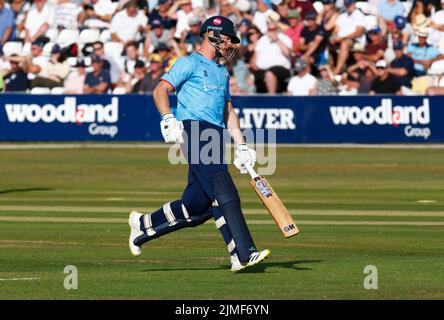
[273, 204]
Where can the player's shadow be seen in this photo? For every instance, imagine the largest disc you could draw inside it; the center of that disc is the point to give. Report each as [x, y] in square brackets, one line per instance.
[24, 190]
[259, 268]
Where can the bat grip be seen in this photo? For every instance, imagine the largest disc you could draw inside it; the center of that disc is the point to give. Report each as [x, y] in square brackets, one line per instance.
[251, 171]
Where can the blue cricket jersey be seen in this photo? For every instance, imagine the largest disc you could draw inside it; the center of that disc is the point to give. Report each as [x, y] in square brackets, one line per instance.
[202, 88]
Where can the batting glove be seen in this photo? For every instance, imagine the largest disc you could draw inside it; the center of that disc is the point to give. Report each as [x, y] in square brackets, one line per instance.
[244, 155]
[171, 129]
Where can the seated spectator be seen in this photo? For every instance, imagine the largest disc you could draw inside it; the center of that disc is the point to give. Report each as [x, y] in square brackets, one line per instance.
[39, 19]
[376, 46]
[16, 79]
[96, 14]
[387, 11]
[108, 63]
[327, 18]
[283, 10]
[149, 81]
[33, 64]
[348, 85]
[358, 61]
[7, 24]
[271, 75]
[160, 13]
[66, 14]
[168, 58]
[349, 28]
[132, 19]
[132, 55]
[75, 82]
[366, 80]
[437, 26]
[181, 15]
[400, 32]
[156, 34]
[20, 8]
[422, 53]
[303, 6]
[99, 80]
[253, 37]
[402, 66]
[244, 25]
[192, 38]
[313, 41]
[303, 83]
[326, 85]
[294, 30]
[260, 16]
[53, 72]
[384, 83]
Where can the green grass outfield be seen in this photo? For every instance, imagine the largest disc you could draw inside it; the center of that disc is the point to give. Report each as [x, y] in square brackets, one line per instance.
[355, 207]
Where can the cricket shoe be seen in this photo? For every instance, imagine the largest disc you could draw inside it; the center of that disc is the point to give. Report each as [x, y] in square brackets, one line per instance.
[134, 223]
[255, 258]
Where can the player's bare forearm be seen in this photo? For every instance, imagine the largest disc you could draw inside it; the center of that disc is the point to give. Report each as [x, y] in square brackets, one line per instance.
[233, 125]
[160, 95]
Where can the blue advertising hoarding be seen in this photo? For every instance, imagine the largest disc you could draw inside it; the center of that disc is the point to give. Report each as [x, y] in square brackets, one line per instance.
[332, 119]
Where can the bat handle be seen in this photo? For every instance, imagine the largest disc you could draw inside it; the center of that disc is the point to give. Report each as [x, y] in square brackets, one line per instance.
[251, 171]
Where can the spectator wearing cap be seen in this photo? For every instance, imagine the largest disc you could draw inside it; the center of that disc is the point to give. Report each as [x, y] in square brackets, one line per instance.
[157, 33]
[271, 61]
[402, 66]
[53, 72]
[160, 13]
[126, 23]
[437, 26]
[349, 28]
[313, 40]
[385, 83]
[38, 20]
[294, 30]
[75, 82]
[33, 63]
[387, 11]
[327, 18]
[99, 80]
[302, 83]
[376, 46]
[168, 58]
[150, 79]
[360, 63]
[7, 24]
[400, 29]
[96, 13]
[422, 53]
[192, 38]
[244, 26]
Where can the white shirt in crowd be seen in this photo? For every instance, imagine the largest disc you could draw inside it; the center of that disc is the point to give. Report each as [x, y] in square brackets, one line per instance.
[301, 86]
[35, 19]
[436, 36]
[66, 15]
[260, 20]
[182, 22]
[269, 54]
[101, 8]
[126, 27]
[347, 24]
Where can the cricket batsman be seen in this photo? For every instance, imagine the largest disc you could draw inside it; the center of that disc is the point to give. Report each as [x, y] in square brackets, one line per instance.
[201, 83]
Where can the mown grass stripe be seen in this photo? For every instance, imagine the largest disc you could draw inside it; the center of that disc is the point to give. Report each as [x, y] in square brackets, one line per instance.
[246, 211]
[253, 222]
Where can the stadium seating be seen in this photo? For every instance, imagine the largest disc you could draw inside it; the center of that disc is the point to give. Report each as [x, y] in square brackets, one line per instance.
[67, 37]
[40, 90]
[12, 47]
[113, 49]
[89, 35]
[58, 90]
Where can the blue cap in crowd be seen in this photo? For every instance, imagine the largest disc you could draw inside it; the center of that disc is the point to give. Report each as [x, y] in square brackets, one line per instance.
[310, 15]
[55, 49]
[375, 29]
[222, 24]
[300, 65]
[328, 1]
[245, 22]
[348, 3]
[400, 22]
[38, 42]
[398, 45]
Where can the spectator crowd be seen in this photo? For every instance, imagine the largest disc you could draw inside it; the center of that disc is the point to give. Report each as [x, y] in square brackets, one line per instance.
[295, 47]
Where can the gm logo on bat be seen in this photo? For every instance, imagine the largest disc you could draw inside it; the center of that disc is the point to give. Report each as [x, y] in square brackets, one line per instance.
[290, 227]
[263, 188]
